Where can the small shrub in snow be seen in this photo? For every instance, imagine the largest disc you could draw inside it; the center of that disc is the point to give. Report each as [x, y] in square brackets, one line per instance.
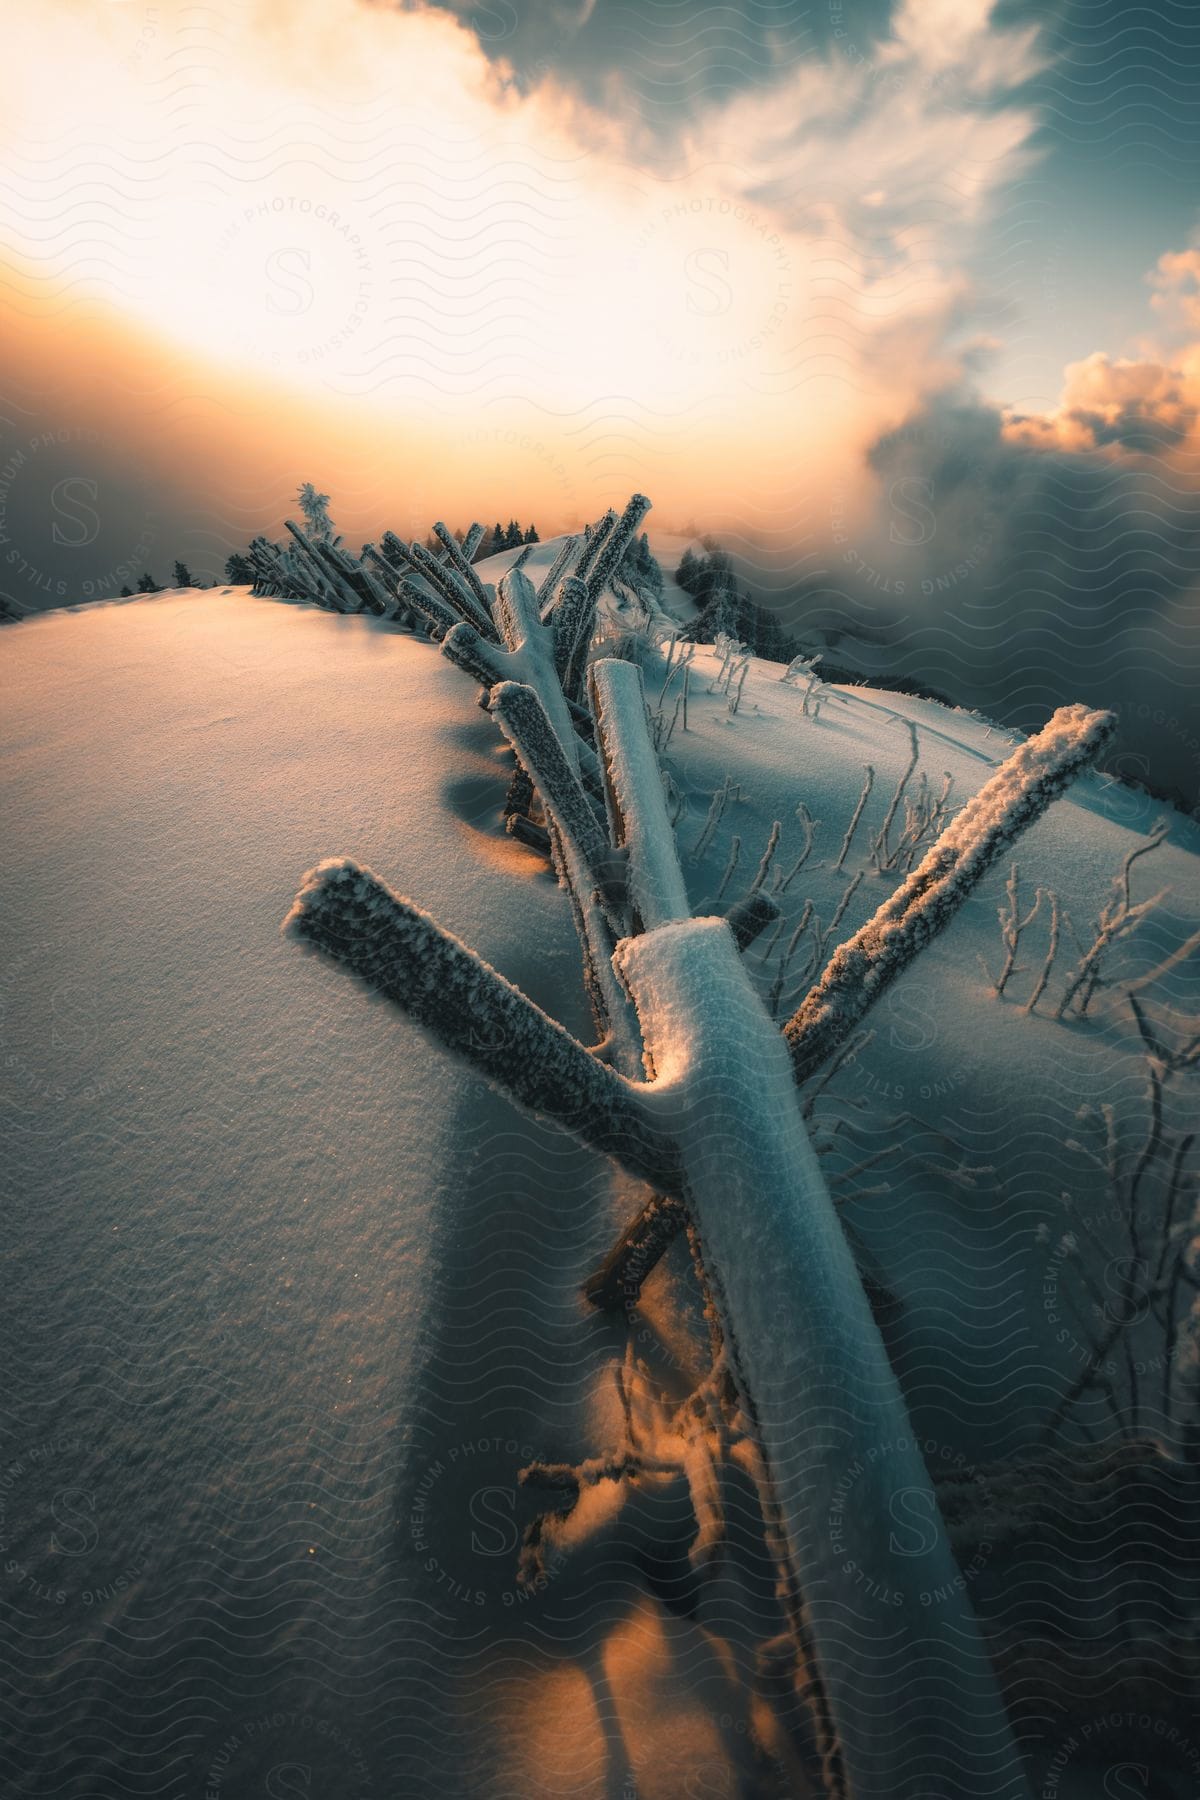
[1119, 918]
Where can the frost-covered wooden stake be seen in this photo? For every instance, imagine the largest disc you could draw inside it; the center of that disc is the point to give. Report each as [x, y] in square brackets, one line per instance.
[346, 912]
[548, 586]
[925, 902]
[452, 589]
[457, 558]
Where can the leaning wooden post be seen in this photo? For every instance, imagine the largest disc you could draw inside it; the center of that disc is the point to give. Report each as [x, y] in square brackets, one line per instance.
[346, 912]
[866, 965]
[912, 1702]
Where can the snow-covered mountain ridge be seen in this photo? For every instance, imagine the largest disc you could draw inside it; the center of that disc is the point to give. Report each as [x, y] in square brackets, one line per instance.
[277, 1170]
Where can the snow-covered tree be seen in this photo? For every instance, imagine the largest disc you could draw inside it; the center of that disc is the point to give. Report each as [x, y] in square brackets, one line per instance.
[639, 568]
[239, 570]
[315, 507]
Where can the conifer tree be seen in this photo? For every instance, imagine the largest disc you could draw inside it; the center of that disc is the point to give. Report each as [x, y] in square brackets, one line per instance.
[183, 575]
[315, 508]
[239, 570]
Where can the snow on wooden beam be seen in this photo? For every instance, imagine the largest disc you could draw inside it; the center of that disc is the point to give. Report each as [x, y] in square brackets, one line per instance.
[515, 609]
[346, 912]
[637, 807]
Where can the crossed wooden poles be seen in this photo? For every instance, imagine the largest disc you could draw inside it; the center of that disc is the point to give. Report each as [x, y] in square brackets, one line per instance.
[693, 1089]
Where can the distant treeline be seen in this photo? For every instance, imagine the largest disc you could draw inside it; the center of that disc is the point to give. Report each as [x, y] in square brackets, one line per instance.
[240, 571]
[712, 584]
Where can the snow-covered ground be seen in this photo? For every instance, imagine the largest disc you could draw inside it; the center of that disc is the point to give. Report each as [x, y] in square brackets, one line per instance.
[290, 1297]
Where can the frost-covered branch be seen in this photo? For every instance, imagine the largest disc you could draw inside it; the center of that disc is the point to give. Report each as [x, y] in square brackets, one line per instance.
[593, 542]
[882, 856]
[925, 902]
[863, 797]
[1039, 986]
[727, 791]
[1012, 925]
[571, 623]
[1119, 917]
[324, 571]
[598, 568]
[808, 826]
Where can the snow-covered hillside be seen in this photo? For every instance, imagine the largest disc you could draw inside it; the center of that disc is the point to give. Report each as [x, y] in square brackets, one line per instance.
[292, 1297]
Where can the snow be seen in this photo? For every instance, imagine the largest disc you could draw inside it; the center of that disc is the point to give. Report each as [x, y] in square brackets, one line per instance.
[291, 1295]
[226, 1176]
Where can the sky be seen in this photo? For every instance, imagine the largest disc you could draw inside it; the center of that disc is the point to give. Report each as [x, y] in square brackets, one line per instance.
[878, 292]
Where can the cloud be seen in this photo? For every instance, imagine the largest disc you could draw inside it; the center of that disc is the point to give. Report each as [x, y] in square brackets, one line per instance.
[1016, 562]
[1136, 405]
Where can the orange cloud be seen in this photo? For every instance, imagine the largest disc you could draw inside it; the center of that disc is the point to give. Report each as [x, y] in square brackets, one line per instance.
[1133, 405]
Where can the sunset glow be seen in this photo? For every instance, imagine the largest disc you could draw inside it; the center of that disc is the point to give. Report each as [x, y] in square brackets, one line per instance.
[376, 225]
